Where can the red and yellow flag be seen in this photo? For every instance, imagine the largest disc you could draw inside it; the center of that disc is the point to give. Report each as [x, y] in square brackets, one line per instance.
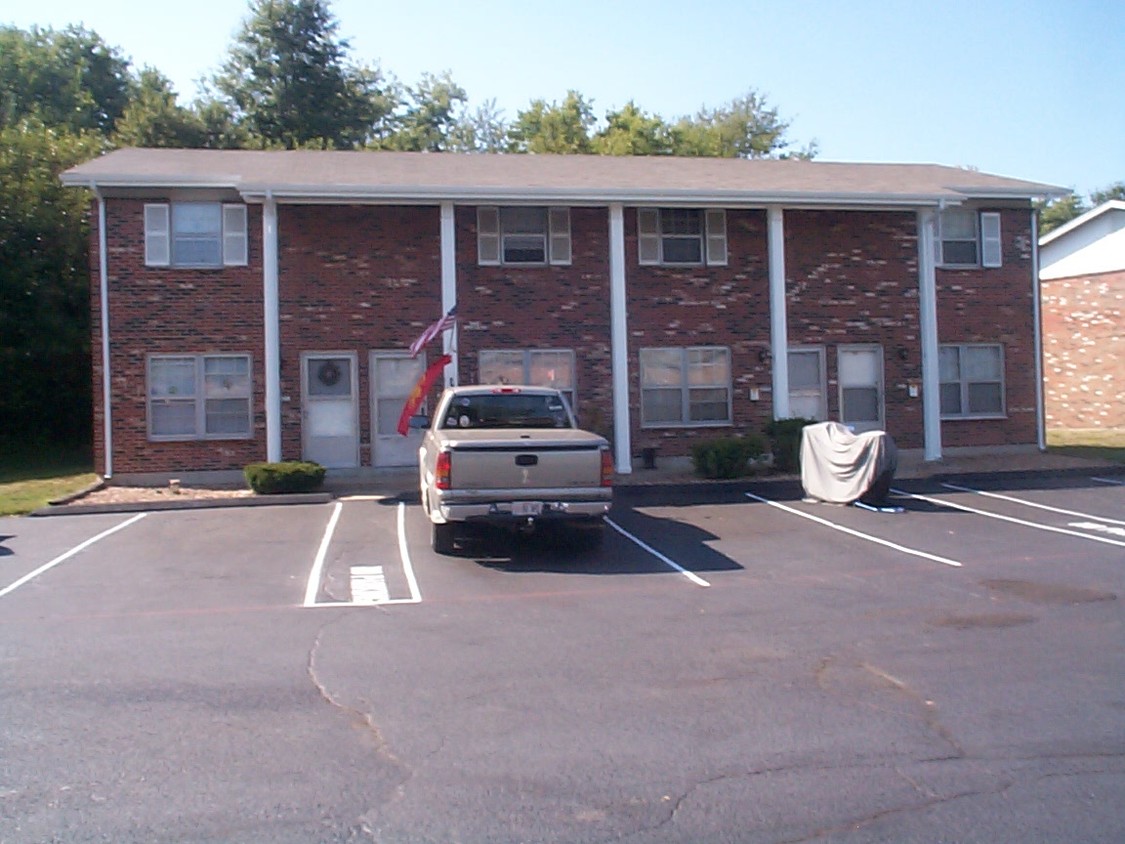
[418, 394]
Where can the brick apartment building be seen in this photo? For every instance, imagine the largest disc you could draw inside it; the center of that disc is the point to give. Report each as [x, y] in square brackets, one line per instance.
[259, 305]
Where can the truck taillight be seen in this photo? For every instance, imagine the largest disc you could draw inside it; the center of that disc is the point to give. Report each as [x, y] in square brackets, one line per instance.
[607, 468]
[443, 470]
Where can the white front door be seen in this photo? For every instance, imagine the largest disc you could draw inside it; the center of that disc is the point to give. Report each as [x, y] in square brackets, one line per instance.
[860, 370]
[393, 376]
[329, 409]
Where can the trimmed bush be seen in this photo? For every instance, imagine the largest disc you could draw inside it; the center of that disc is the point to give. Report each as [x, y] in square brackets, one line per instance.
[785, 440]
[727, 457]
[289, 476]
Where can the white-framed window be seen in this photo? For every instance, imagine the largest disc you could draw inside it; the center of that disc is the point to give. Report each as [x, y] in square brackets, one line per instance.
[685, 386]
[523, 234]
[808, 390]
[194, 397]
[682, 236]
[195, 234]
[534, 367]
[969, 238]
[972, 380]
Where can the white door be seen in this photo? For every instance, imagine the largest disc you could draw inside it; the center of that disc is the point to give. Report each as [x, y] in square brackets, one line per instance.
[860, 371]
[393, 376]
[329, 415]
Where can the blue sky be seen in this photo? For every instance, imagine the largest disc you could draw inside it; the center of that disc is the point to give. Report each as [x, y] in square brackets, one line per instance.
[1025, 88]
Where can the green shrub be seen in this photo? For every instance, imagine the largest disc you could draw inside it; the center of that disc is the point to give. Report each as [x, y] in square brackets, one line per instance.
[727, 457]
[290, 476]
[785, 441]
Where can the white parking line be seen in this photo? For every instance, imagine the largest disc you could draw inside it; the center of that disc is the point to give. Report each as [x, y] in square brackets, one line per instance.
[943, 503]
[63, 557]
[692, 576]
[318, 564]
[1035, 504]
[864, 536]
[1109, 481]
[369, 585]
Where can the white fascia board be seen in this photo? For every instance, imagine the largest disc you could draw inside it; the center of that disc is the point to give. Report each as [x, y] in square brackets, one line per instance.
[124, 183]
[1047, 192]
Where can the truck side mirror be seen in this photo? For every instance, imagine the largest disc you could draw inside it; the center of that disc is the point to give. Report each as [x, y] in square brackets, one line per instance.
[419, 422]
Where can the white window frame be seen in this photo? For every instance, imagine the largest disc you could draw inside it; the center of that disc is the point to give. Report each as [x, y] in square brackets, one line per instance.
[199, 397]
[820, 392]
[526, 359]
[964, 383]
[712, 237]
[685, 388]
[160, 237]
[492, 236]
[987, 241]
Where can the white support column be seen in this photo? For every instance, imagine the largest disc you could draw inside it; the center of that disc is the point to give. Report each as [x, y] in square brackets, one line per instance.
[779, 328]
[1037, 304]
[449, 286]
[271, 305]
[928, 327]
[618, 309]
[103, 295]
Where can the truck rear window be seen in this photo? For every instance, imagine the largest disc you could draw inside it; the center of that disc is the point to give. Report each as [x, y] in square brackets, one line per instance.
[508, 410]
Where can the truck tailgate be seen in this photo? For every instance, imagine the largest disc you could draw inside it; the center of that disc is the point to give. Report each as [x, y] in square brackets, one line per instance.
[508, 466]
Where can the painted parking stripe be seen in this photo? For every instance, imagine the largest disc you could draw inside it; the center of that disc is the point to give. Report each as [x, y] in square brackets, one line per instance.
[318, 564]
[1109, 481]
[692, 576]
[914, 552]
[369, 585]
[75, 550]
[1035, 504]
[953, 506]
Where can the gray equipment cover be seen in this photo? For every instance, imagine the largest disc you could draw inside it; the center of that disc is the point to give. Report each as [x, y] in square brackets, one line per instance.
[840, 467]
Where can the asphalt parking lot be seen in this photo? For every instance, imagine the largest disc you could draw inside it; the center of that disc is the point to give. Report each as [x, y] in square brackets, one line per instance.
[731, 663]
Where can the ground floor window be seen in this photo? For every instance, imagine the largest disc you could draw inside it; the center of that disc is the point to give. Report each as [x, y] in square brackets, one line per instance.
[972, 380]
[534, 367]
[198, 397]
[685, 386]
[808, 396]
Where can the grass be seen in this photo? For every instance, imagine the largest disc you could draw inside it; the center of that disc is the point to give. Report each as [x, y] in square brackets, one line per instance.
[32, 476]
[1091, 443]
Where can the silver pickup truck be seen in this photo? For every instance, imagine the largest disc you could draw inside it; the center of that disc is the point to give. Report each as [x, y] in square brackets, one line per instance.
[512, 456]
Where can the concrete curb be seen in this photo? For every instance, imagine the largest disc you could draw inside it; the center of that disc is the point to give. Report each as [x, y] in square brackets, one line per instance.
[191, 504]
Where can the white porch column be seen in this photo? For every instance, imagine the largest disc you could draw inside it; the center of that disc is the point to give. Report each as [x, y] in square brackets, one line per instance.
[619, 333]
[103, 295]
[271, 309]
[928, 328]
[449, 286]
[1037, 300]
[779, 329]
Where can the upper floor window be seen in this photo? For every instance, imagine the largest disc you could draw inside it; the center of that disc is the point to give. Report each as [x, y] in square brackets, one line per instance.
[972, 380]
[534, 367]
[198, 397]
[195, 234]
[969, 238]
[682, 236]
[523, 235]
[685, 386]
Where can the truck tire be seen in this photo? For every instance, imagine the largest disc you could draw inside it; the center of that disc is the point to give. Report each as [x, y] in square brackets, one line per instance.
[441, 538]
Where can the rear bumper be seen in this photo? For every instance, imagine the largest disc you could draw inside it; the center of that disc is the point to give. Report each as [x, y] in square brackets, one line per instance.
[501, 512]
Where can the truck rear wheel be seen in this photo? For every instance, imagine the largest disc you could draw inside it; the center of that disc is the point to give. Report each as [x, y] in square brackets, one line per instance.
[441, 538]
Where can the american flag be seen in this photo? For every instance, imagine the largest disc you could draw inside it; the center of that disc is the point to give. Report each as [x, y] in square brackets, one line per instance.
[443, 324]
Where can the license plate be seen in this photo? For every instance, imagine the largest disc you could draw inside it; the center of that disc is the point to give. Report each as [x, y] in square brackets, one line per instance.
[527, 508]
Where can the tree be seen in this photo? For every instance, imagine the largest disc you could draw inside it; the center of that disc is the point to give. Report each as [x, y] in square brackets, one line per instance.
[1114, 191]
[1058, 212]
[483, 130]
[553, 128]
[70, 79]
[432, 113]
[630, 131]
[153, 118]
[287, 82]
[744, 128]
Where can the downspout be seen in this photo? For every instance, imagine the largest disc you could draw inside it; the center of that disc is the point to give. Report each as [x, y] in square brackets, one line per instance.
[103, 295]
[928, 330]
[1037, 305]
[449, 287]
[779, 328]
[272, 319]
[619, 339]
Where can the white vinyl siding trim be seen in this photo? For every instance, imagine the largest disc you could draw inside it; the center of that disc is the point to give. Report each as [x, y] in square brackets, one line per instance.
[235, 242]
[488, 236]
[158, 251]
[558, 223]
[990, 243]
[716, 219]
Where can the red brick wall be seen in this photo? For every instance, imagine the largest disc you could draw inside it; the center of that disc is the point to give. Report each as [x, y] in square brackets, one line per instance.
[996, 305]
[1084, 360]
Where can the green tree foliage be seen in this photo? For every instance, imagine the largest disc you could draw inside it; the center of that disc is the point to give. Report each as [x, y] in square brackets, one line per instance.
[433, 111]
[44, 285]
[153, 118]
[631, 131]
[482, 130]
[68, 79]
[562, 128]
[287, 81]
[1114, 191]
[743, 128]
[1059, 212]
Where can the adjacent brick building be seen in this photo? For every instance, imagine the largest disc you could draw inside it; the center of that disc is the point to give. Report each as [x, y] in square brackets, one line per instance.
[259, 305]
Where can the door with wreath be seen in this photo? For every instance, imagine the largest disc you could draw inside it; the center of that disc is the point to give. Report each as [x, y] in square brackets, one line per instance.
[329, 409]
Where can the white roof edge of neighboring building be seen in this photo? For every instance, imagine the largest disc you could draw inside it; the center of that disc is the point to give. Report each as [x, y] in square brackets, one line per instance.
[1111, 205]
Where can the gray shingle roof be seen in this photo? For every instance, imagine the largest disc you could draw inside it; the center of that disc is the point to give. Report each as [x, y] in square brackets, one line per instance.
[421, 177]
